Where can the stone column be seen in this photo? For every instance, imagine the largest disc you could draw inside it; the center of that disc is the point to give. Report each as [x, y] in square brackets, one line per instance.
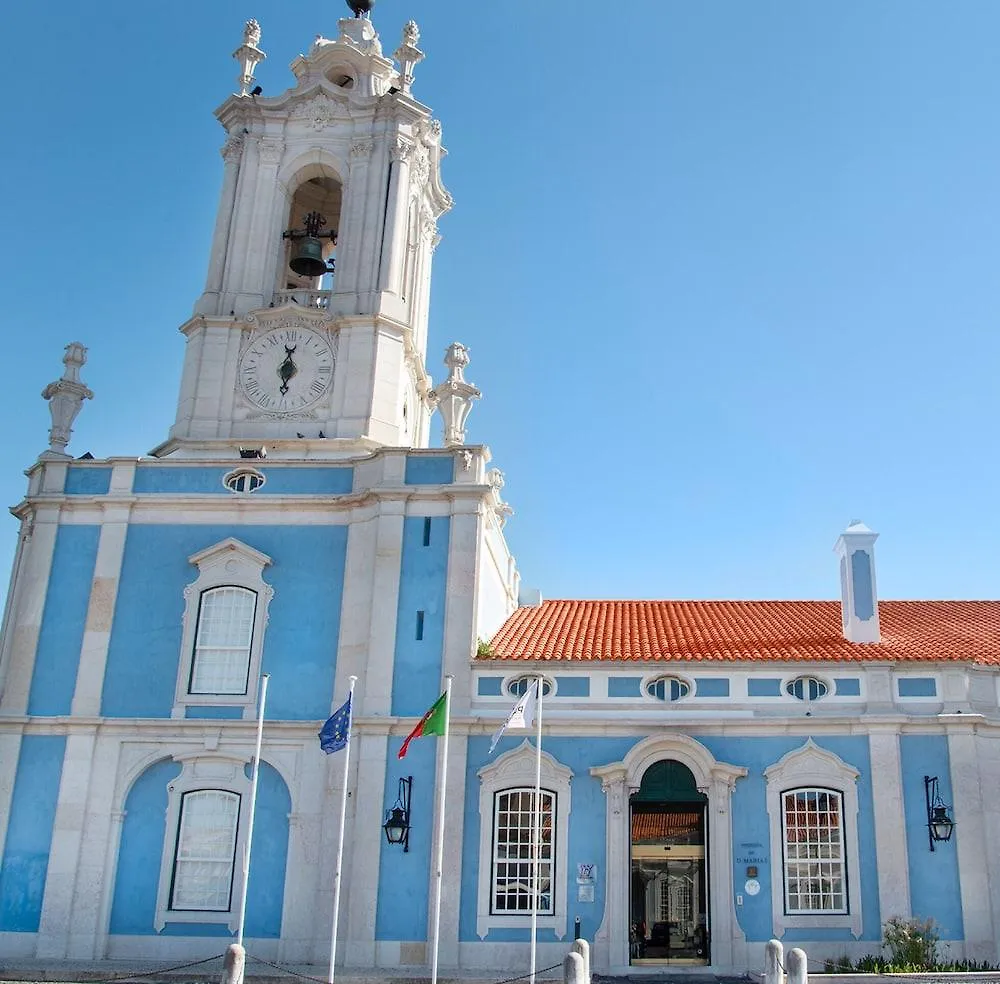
[970, 841]
[724, 927]
[64, 856]
[988, 749]
[887, 802]
[232, 154]
[365, 834]
[611, 943]
[28, 593]
[100, 611]
[394, 233]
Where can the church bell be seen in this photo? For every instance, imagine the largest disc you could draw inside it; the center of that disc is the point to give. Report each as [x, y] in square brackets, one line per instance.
[308, 259]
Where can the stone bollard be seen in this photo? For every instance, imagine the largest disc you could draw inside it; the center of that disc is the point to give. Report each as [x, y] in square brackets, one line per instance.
[582, 947]
[573, 969]
[796, 968]
[773, 963]
[233, 963]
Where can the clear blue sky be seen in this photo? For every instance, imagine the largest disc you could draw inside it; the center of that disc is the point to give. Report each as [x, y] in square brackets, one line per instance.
[728, 270]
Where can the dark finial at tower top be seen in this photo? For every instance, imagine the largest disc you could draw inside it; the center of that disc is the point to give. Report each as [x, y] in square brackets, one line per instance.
[361, 7]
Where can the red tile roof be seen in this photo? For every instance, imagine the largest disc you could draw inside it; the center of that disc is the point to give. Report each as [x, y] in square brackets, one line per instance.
[746, 630]
[661, 826]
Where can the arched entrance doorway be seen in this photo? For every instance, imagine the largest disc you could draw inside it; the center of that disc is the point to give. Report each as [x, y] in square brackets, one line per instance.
[669, 921]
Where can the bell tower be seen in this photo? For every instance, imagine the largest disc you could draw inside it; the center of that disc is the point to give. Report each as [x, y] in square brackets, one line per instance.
[313, 323]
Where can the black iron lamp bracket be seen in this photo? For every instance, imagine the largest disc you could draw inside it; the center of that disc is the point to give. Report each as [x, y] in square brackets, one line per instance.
[940, 825]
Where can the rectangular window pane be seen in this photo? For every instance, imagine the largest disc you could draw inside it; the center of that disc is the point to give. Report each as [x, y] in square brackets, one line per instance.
[206, 845]
[221, 660]
[513, 852]
[815, 868]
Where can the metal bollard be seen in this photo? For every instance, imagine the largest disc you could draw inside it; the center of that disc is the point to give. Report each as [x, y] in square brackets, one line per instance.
[233, 963]
[796, 967]
[582, 947]
[573, 969]
[773, 963]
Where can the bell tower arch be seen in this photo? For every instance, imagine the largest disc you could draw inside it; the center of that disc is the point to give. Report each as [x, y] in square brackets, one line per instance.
[321, 255]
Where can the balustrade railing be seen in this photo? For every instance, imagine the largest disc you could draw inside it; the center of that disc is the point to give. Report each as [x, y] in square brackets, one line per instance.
[318, 299]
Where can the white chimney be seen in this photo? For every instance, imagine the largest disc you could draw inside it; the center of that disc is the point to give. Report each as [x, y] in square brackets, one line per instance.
[858, 594]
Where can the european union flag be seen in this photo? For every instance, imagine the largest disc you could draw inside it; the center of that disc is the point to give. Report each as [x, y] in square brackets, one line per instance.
[336, 733]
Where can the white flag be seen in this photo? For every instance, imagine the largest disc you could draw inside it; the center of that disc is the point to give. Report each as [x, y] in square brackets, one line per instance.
[521, 716]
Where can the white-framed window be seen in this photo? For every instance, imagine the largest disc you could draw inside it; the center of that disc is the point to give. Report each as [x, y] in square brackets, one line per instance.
[518, 686]
[513, 877]
[207, 813]
[815, 873]
[506, 795]
[807, 688]
[225, 615]
[243, 480]
[206, 851]
[812, 807]
[667, 688]
[221, 661]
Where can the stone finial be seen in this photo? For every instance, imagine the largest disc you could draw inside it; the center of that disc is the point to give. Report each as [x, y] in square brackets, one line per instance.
[249, 56]
[454, 396]
[408, 54]
[66, 396]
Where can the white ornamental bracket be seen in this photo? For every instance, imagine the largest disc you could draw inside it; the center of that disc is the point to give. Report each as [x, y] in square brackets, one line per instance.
[66, 396]
[249, 56]
[454, 396]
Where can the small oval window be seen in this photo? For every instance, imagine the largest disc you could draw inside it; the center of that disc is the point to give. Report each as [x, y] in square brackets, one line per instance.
[668, 688]
[244, 480]
[518, 687]
[806, 688]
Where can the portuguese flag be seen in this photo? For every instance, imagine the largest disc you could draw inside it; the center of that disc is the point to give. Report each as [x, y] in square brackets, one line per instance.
[432, 723]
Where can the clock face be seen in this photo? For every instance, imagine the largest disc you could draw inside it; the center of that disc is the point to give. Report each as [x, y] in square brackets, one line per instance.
[286, 370]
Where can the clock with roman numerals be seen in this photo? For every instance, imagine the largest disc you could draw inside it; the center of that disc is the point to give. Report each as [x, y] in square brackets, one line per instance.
[287, 370]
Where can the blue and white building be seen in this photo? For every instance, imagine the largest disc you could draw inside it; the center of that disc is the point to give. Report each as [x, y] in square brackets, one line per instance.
[715, 773]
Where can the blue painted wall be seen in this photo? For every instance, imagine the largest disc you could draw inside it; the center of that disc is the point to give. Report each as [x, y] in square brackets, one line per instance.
[935, 889]
[917, 686]
[711, 687]
[763, 687]
[416, 672]
[864, 594]
[572, 686]
[29, 832]
[429, 470]
[268, 854]
[219, 712]
[404, 879]
[587, 825]
[133, 909]
[87, 481]
[489, 686]
[336, 480]
[624, 686]
[60, 638]
[300, 642]
[752, 840]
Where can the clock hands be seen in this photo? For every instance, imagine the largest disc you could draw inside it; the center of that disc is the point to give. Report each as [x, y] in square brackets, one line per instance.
[287, 369]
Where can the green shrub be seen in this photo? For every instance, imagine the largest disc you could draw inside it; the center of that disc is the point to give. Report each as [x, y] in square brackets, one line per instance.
[911, 942]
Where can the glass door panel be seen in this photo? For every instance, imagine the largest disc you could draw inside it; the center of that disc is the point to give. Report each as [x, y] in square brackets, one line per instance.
[669, 903]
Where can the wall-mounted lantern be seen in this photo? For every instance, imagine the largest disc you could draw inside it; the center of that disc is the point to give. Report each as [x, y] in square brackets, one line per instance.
[939, 824]
[397, 820]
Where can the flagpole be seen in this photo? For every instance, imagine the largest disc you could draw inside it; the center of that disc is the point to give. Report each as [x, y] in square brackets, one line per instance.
[340, 835]
[439, 835]
[253, 806]
[537, 822]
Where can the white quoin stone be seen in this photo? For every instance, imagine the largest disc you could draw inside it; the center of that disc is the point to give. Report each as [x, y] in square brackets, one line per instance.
[454, 396]
[66, 396]
[858, 594]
